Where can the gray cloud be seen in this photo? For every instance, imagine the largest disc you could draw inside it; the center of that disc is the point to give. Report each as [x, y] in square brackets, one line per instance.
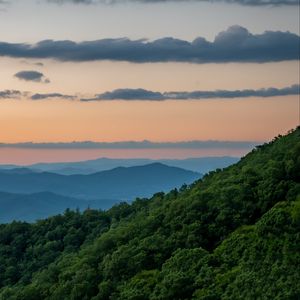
[51, 96]
[128, 94]
[141, 94]
[32, 76]
[241, 2]
[10, 94]
[236, 44]
[38, 64]
[86, 2]
[136, 145]
[146, 95]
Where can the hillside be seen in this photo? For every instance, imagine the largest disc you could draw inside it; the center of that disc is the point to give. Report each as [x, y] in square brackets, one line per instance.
[119, 183]
[234, 234]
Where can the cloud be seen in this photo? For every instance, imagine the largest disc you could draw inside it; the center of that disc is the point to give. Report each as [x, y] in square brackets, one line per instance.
[236, 44]
[51, 96]
[86, 2]
[240, 2]
[38, 64]
[10, 94]
[128, 94]
[141, 94]
[137, 145]
[32, 76]
[146, 95]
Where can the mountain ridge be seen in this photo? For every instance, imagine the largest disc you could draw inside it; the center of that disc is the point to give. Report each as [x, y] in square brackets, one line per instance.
[100, 190]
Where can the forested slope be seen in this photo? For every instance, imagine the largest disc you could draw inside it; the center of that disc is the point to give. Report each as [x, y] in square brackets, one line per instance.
[232, 235]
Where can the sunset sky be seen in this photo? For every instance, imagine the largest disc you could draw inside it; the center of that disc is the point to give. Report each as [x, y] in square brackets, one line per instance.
[137, 70]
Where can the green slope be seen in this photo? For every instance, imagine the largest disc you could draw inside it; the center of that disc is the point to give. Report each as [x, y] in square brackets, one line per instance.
[232, 235]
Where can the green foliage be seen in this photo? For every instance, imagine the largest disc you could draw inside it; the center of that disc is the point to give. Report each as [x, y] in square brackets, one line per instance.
[261, 261]
[232, 235]
[25, 248]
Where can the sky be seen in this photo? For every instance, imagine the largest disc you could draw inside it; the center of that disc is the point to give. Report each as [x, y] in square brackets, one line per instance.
[167, 71]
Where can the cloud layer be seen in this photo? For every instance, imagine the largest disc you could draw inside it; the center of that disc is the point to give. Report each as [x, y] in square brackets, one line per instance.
[32, 76]
[236, 44]
[146, 95]
[136, 145]
[241, 2]
[141, 94]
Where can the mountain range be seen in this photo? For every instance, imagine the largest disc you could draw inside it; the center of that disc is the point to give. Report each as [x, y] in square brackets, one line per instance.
[28, 195]
[201, 165]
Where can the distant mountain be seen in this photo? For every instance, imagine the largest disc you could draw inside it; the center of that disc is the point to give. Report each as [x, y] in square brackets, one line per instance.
[17, 170]
[119, 183]
[42, 205]
[200, 165]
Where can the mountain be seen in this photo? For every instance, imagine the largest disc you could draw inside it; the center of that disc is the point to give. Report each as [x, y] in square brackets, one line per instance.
[234, 234]
[32, 207]
[200, 165]
[17, 170]
[119, 183]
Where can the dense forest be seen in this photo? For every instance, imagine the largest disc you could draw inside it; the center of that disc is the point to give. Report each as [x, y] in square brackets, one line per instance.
[234, 234]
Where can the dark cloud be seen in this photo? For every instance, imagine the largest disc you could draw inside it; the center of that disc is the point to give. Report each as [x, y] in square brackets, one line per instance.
[127, 94]
[141, 94]
[10, 94]
[146, 95]
[240, 2]
[51, 96]
[32, 76]
[136, 145]
[236, 44]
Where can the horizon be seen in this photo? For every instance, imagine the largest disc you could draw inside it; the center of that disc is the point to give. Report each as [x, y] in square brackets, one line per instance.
[25, 157]
[26, 154]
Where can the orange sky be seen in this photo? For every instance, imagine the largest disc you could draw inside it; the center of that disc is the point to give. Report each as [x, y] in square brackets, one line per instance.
[59, 120]
[240, 119]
